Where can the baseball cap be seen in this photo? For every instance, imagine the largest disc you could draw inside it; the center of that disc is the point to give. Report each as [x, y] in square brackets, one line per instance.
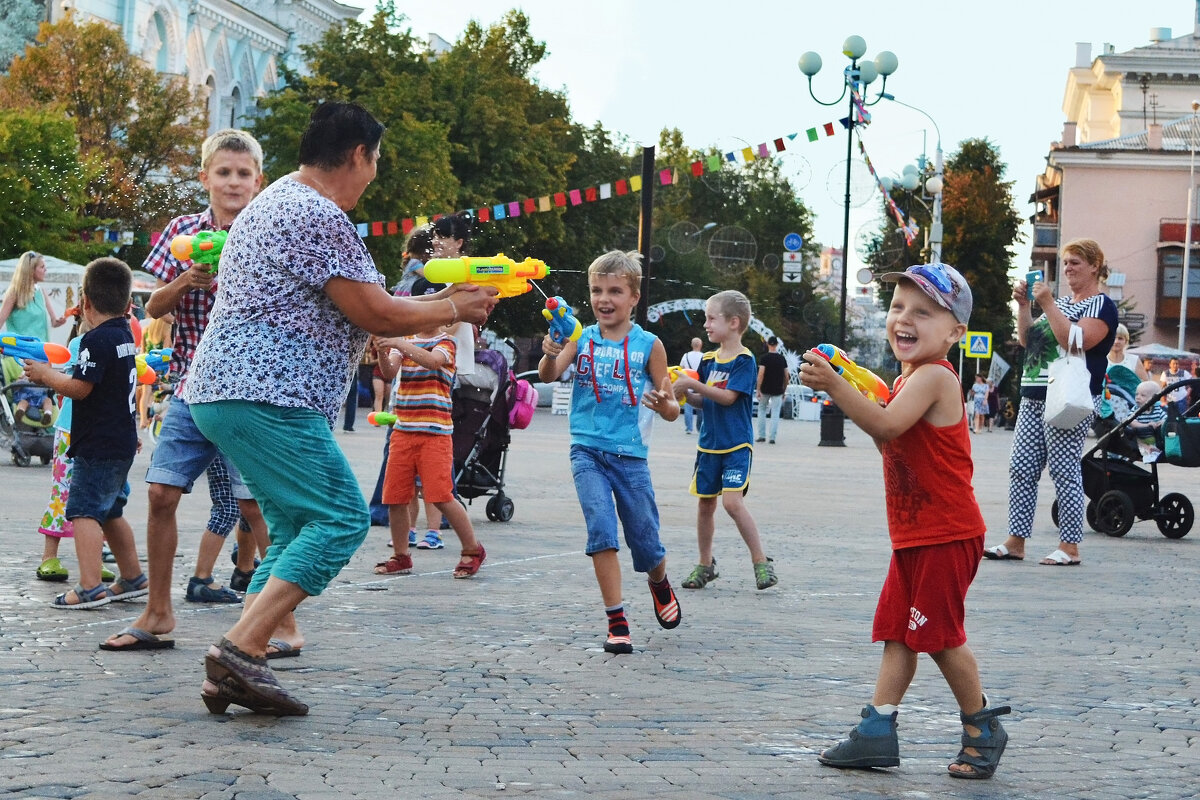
[943, 283]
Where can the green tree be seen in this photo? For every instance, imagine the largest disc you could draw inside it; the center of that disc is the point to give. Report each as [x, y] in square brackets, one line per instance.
[42, 185]
[980, 226]
[139, 132]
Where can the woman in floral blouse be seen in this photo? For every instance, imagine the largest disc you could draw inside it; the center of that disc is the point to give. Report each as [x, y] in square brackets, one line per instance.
[299, 296]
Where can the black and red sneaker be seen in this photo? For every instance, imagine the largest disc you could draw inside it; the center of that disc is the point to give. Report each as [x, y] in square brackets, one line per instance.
[666, 605]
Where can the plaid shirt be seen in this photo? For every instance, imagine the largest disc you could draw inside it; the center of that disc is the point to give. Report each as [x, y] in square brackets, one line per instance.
[191, 315]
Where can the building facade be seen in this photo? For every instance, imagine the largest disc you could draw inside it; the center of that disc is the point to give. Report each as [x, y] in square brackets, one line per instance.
[231, 51]
[1120, 175]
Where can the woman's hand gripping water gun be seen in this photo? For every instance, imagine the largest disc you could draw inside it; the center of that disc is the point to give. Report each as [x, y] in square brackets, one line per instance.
[871, 385]
[563, 325]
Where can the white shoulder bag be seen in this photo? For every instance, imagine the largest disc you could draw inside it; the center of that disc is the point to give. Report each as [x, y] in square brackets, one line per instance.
[1068, 392]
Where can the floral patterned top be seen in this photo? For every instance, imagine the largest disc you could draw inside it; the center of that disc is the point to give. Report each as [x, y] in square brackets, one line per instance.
[274, 336]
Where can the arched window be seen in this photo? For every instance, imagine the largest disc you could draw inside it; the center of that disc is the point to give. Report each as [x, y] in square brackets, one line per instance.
[235, 108]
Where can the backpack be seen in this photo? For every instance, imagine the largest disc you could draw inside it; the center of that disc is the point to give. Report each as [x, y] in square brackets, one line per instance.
[522, 402]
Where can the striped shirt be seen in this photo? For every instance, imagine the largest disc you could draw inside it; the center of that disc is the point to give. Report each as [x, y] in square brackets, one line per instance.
[421, 401]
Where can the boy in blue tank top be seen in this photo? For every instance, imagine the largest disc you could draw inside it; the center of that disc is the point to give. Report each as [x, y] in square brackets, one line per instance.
[621, 382]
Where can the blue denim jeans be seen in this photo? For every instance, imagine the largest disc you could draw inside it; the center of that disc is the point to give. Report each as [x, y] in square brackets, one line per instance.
[775, 403]
[612, 486]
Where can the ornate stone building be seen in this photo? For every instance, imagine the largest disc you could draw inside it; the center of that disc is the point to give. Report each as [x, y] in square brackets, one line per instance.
[233, 50]
[1120, 175]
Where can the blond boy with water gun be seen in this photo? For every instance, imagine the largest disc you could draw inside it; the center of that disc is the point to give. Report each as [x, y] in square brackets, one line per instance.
[933, 520]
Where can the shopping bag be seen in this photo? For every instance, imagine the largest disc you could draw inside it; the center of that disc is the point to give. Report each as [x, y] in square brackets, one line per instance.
[1068, 392]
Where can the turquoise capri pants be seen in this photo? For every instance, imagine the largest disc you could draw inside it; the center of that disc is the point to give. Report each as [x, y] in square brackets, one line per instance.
[308, 494]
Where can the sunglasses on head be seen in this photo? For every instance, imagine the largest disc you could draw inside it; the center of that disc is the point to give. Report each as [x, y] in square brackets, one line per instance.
[32, 254]
[935, 274]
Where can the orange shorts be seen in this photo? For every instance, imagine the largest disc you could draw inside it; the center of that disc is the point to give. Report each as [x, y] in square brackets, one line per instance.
[429, 455]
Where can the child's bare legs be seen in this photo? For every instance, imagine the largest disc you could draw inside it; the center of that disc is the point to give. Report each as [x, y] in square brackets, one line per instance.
[608, 574]
[735, 506]
[120, 539]
[896, 671]
[961, 671]
[89, 540]
[50, 547]
[399, 521]
[706, 528]
[461, 523]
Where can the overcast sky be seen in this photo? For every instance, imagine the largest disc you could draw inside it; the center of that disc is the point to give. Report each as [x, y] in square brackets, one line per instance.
[726, 75]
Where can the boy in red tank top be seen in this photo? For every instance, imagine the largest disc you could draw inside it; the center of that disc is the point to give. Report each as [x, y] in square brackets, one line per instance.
[933, 520]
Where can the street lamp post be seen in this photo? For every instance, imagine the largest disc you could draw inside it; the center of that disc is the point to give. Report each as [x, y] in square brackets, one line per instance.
[933, 185]
[1187, 236]
[855, 77]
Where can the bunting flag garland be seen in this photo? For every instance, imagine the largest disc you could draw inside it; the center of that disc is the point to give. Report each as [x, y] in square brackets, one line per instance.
[667, 176]
[568, 198]
[910, 229]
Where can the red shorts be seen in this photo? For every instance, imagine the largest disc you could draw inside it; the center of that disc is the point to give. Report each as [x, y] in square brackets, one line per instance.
[430, 455]
[923, 602]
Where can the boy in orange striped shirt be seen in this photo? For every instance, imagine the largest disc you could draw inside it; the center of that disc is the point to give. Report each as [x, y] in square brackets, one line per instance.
[422, 446]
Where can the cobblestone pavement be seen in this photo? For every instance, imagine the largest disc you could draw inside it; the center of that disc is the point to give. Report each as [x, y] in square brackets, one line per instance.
[423, 686]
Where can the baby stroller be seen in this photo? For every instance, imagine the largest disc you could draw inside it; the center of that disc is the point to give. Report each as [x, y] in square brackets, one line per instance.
[27, 439]
[481, 433]
[1119, 491]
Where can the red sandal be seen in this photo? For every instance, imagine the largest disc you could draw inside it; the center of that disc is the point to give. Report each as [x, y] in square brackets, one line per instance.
[396, 565]
[469, 563]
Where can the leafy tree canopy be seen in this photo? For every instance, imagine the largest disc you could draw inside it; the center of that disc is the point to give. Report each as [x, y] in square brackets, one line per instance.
[139, 131]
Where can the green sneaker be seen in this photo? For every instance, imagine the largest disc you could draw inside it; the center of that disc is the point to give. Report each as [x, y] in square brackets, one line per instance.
[52, 570]
[107, 575]
[701, 576]
[764, 574]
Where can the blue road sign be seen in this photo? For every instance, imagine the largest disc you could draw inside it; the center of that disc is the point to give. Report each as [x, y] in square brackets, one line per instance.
[793, 241]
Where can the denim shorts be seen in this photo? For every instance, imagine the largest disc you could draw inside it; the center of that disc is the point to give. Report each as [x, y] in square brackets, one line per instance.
[722, 472]
[99, 488]
[183, 453]
[612, 486]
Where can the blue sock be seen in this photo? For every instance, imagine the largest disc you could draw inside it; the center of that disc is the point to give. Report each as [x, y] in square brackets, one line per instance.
[876, 724]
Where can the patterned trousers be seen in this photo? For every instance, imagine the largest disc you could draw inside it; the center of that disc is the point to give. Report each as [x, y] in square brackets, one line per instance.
[1037, 445]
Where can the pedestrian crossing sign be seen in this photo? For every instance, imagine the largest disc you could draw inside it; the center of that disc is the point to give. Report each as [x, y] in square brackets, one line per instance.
[978, 344]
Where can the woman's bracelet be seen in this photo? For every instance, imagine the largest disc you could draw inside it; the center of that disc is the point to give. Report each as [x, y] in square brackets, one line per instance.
[453, 308]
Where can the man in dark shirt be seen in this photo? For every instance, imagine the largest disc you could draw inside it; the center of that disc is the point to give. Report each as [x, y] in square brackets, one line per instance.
[773, 378]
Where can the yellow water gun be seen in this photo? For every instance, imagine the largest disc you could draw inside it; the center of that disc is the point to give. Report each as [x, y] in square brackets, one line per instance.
[510, 277]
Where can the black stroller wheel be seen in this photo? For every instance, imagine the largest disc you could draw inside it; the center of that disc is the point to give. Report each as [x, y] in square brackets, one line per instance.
[1114, 513]
[1090, 512]
[20, 459]
[1174, 516]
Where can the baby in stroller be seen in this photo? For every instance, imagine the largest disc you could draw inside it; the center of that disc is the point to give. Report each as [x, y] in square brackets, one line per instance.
[26, 415]
[1147, 426]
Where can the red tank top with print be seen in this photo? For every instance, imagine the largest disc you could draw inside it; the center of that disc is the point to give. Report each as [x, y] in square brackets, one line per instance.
[927, 477]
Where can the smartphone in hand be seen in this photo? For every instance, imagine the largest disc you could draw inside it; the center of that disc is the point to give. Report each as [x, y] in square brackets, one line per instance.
[1032, 278]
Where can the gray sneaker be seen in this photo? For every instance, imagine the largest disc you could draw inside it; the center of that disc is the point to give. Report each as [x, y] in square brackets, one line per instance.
[701, 576]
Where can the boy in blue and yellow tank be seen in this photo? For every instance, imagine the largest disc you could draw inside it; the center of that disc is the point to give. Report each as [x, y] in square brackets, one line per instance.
[618, 366]
[725, 390]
